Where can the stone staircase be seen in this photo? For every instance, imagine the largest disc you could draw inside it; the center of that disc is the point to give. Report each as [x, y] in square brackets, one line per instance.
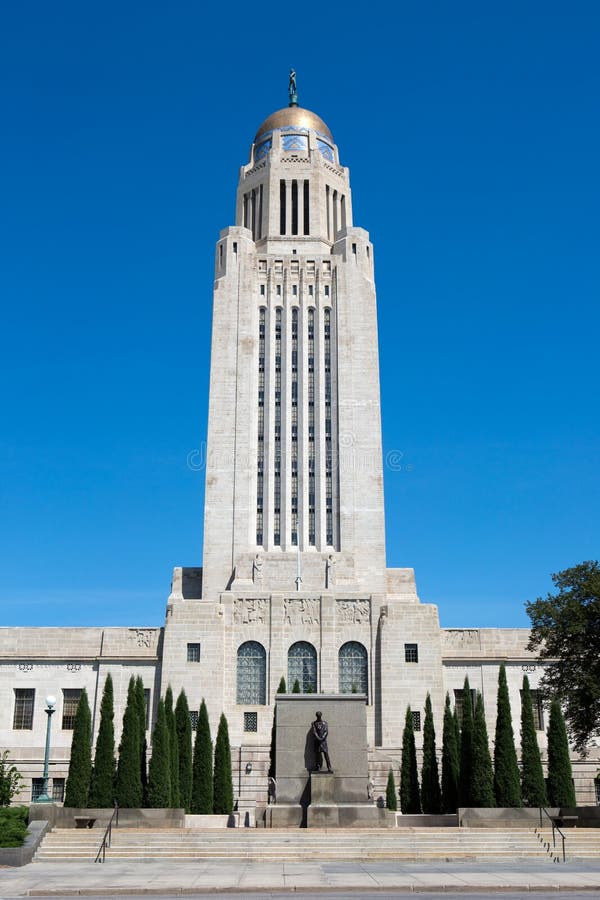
[407, 844]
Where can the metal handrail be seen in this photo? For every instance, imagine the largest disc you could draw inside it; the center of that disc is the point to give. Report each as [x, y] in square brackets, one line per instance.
[108, 835]
[554, 828]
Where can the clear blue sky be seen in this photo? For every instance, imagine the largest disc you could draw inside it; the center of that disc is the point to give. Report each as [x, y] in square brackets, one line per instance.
[472, 134]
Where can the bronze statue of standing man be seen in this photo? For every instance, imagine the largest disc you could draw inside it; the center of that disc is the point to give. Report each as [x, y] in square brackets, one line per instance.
[320, 732]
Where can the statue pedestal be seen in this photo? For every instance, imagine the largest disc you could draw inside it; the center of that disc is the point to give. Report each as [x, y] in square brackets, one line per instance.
[335, 802]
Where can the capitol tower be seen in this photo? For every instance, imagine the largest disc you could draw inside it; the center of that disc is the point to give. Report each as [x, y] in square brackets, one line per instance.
[294, 580]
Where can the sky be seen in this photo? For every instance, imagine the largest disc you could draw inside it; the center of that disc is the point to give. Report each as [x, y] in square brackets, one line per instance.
[472, 133]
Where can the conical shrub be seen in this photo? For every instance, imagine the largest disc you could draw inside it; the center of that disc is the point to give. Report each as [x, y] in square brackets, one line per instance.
[466, 748]
[507, 787]
[431, 798]
[173, 748]
[450, 762]
[410, 797]
[80, 764]
[128, 788]
[482, 790]
[533, 786]
[222, 781]
[391, 800]
[202, 772]
[183, 727]
[102, 784]
[560, 776]
[159, 770]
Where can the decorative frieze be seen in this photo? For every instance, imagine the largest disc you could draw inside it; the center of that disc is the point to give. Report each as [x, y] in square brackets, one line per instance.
[301, 611]
[250, 610]
[353, 612]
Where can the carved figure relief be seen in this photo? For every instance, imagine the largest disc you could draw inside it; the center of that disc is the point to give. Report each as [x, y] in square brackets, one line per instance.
[301, 611]
[257, 565]
[461, 636]
[353, 612]
[250, 610]
[143, 637]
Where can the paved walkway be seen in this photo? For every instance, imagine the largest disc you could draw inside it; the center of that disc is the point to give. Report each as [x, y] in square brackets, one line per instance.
[169, 877]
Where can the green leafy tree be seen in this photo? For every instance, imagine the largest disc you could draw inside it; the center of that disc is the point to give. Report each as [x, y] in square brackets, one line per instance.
[10, 779]
[431, 796]
[482, 790]
[507, 787]
[128, 788]
[565, 632]
[222, 780]
[202, 773]
[159, 770]
[183, 727]
[140, 702]
[560, 777]
[466, 748]
[296, 687]
[102, 785]
[281, 688]
[450, 761]
[410, 797]
[533, 786]
[77, 788]
[173, 748]
[391, 798]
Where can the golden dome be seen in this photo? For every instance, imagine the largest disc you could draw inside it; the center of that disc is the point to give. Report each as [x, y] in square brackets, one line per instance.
[290, 116]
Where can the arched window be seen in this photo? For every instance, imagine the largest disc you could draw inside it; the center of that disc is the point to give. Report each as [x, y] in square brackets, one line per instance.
[302, 665]
[251, 673]
[353, 668]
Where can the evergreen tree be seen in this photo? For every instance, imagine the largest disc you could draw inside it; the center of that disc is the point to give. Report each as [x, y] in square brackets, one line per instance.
[222, 780]
[80, 765]
[296, 687]
[560, 778]
[102, 785]
[456, 724]
[482, 789]
[140, 697]
[184, 745]
[450, 762]
[391, 800]
[128, 787]
[431, 798]
[533, 786]
[410, 800]
[202, 771]
[159, 770]
[507, 787]
[282, 688]
[466, 748]
[173, 748]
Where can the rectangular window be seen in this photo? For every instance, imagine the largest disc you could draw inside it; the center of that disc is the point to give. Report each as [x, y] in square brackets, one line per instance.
[282, 211]
[306, 208]
[416, 717]
[459, 701]
[23, 715]
[250, 721]
[194, 719]
[58, 789]
[538, 710]
[37, 788]
[70, 703]
[193, 653]
[411, 653]
[147, 699]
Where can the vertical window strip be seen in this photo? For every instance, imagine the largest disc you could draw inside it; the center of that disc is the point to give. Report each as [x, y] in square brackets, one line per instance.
[282, 210]
[306, 207]
[311, 428]
[328, 441]
[277, 472]
[294, 207]
[260, 460]
[294, 429]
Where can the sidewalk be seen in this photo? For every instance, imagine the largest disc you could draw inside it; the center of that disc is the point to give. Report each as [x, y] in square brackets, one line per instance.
[173, 877]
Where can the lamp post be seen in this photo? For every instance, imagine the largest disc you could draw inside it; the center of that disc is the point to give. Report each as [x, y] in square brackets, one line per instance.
[50, 704]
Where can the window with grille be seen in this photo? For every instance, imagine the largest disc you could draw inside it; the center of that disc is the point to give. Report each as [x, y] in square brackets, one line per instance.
[58, 789]
[459, 702]
[250, 721]
[352, 660]
[416, 717]
[411, 653]
[70, 703]
[23, 714]
[193, 653]
[251, 673]
[537, 706]
[194, 719]
[37, 788]
[302, 666]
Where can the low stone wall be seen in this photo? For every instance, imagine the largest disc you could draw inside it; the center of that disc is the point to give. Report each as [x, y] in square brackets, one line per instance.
[426, 821]
[64, 816]
[21, 856]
